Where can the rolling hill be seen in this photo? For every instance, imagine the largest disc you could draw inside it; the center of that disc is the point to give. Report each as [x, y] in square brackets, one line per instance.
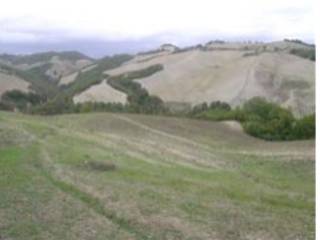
[125, 176]
[52, 65]
[230, 72]
[10, 82]
[41, 73]
[282, 72]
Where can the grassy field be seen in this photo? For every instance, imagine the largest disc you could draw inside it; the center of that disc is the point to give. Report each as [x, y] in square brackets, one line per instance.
[121, 176]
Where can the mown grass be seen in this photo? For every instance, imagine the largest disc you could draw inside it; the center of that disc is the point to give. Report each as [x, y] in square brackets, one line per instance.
[253, 183]
[251, 196]
[96, 205]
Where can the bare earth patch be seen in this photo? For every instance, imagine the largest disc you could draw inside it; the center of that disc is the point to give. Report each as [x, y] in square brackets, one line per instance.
[68, 79]
[101, 93]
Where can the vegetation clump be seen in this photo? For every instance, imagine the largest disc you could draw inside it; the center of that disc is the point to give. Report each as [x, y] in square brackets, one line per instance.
[16, 99]
[305, 53]
[267, 120]
[261, 119]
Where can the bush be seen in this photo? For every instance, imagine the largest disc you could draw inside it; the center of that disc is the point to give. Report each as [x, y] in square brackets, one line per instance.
[261, 119]
[305, 128]
[16, 99]
[198, 109]
[214, 109]
[55, 106]
[267, 120]
[220, 105]
[305, 53]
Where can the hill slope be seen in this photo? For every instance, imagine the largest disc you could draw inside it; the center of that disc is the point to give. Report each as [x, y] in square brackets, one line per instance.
[283, 72]
[58, 64]
[103, 92]
[230, 72]
[10, 81]
[121, 176]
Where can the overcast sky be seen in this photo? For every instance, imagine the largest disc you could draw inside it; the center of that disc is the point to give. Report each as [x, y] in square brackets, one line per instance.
[104, 27]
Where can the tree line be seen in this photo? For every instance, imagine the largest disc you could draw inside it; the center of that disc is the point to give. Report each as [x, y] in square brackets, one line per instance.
[258, 117]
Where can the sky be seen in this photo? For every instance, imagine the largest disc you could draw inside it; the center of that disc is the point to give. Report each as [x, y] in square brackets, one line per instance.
[98, 27]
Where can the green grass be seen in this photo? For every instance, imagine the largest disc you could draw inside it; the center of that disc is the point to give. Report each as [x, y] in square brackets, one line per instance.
[159, 188]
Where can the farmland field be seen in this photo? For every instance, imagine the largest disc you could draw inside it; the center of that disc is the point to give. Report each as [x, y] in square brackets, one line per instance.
[126, 176]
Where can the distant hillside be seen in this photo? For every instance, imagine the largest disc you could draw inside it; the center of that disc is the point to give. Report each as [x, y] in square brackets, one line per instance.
[43, 57]
[51, 65]
[10, 81]
[233, 72]
[230, 72]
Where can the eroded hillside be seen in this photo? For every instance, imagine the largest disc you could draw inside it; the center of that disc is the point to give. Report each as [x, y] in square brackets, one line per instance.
[53, 65]
[230, 72]
[9, 81]
[282, 72]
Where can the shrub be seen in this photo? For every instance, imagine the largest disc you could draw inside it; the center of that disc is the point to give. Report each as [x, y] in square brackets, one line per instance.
[215, 108]
[199, 108]
[261, 119]
[305, 53]
[20, 100]
[305, 128]
[267, 120]
[220, 105]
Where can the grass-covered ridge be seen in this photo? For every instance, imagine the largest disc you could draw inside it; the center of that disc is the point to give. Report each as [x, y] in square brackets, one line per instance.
[43, 57]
